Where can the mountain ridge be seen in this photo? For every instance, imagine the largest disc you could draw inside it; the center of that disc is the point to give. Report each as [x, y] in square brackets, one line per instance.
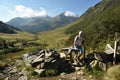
[4, 28]
[38, 24]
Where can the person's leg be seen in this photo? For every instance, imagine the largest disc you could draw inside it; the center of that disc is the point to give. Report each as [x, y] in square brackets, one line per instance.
[76, 59]
[76, 53]
[80, 48]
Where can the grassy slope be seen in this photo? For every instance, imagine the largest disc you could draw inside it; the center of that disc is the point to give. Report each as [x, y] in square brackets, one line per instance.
[55, 38]
[97, 23]
[12, 37]
[19, 35]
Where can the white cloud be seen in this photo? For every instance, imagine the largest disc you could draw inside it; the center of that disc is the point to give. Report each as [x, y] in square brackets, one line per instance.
[69, 13]
[22, 11]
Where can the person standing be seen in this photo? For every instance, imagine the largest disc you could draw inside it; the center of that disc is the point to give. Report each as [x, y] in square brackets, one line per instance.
[78, 43]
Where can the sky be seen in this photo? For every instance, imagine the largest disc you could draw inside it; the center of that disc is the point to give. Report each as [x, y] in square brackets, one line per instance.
[31, 8]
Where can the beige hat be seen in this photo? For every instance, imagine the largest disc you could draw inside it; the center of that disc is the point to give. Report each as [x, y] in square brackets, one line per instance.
[80, 32]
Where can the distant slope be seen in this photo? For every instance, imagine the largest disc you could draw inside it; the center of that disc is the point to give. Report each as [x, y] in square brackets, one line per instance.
[4, 28]
[54, 38]
[38, 24]
[34, 24]
[97, 23]
[19, 36]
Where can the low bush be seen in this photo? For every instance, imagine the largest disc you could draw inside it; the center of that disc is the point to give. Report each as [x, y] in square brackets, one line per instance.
[50, 72]
[113, 73]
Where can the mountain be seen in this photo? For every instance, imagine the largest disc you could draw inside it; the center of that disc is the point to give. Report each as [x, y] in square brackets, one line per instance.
[34, 24]
[65, 18]
[4, 28]
[38, 24]
[98, 23]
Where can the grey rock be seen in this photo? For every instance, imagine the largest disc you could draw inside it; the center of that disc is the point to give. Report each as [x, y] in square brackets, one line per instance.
[37, 61]
[33, 53]
[49, 54]
[24, 73]
[23, 78]
[49, 59]
[14, 70]
[74, 78]
[41, 72]
[19, 62]
[103, 66]
[38, 67]
[93, 63]
[6, 78]
[77, 68]
[62, 55]
[80, 73]
[28, 59]
[42, 65]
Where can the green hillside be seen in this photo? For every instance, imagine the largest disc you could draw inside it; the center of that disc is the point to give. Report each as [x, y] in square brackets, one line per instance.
[4, 28]
[97, 23]
[55, 38]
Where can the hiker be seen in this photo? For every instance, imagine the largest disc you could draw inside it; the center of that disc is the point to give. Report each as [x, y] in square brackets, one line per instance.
[78, 42]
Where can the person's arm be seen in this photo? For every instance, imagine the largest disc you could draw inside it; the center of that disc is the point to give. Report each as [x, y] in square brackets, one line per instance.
[83, 42]
[74, 43]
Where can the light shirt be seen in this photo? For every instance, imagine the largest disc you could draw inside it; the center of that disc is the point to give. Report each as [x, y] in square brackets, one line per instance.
[78, 40]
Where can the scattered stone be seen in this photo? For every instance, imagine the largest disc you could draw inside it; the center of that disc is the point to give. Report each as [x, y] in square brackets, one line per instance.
[93, 63]
[80, 73]
[102, 66]
[90, 76]
[62, 55]
[6, 78]
[37, 61]
[19, 62]
[74, 78]
[41, 72]
[14, 70]
[77, 68]
[52, 60]
[62, 74]
[23, 78]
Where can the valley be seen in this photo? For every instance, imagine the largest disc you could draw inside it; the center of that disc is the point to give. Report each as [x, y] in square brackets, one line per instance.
[30, 49]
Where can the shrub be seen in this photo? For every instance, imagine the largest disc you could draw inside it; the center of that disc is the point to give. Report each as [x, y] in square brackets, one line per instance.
[51, 72]
[113, 73]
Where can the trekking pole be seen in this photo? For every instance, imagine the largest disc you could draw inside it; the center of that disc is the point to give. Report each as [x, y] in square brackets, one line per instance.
[115, 48]
[84, 54]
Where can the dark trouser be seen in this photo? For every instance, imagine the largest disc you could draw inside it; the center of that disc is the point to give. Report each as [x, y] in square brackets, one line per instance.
[80, 49]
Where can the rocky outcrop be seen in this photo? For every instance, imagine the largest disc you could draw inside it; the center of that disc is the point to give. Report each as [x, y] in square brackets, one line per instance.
[47, 60]
[51, 62]
[101, 60]
[11, 72]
